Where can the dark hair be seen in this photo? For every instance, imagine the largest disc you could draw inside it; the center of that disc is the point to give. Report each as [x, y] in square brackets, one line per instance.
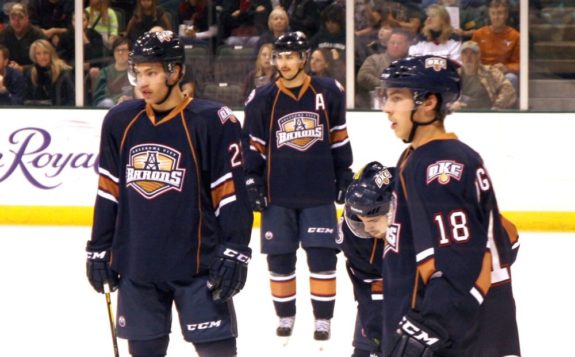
[5, 51]
[334, 13]
[498, 3]
[119, 41]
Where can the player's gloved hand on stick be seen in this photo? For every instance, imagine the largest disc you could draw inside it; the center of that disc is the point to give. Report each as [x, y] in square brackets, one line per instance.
[99, 272]
[229, 271]
[256, 192]
[417, 337]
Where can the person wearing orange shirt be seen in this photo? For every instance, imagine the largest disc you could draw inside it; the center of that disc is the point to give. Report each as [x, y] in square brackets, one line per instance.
[499, 43]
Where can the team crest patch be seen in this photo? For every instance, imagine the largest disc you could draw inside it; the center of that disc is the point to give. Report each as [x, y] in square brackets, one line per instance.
[393, 230]
[154, 169]
[443, 171]
[383, 177]
[299, 130]
[225, 113]
[437, 63]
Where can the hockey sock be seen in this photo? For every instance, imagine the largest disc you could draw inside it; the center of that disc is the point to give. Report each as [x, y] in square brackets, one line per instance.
[222, 348]
[322, 263]
[283, 283]
[157, 347]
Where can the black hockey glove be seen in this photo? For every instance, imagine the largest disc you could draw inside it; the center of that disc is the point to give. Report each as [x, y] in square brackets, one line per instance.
[417, 337]
[342, 182]
[229, 271]
[99, 272]
[256, 192]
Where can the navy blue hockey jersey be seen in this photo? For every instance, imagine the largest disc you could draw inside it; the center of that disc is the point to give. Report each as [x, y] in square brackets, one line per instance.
[448, 251]
[299, 145]
[170, 189]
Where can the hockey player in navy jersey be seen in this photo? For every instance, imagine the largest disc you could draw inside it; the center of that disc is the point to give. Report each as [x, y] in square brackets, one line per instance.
[361, 238]
[298, 159]
[172, 218]
[448, 253]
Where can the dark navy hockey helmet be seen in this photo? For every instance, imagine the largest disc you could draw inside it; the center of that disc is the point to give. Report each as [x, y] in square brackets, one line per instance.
[162, 46]
[368, 195]
[291, 42]
[425, 75]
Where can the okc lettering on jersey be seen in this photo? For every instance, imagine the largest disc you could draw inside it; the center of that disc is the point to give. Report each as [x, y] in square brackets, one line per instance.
[153, 170]
[443, 171]
[299, 130]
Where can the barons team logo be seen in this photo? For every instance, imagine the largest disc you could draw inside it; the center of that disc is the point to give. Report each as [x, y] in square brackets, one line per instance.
[299, 130]
[443, 171]
[153, 170]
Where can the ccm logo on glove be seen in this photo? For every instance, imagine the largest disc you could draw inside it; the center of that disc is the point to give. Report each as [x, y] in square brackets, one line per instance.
[409, 328]
[237, 255]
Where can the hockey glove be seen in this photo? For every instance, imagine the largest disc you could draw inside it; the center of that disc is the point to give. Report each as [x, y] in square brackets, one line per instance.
[417, 337]
[256, 192]
[341, 185]
[229, 271]
[99, 272]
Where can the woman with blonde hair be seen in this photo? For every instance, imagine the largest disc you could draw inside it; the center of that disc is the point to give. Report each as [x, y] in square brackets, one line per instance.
[49, 78]
[278, 24]
[104, 20]
[437, 37]
[263, 73]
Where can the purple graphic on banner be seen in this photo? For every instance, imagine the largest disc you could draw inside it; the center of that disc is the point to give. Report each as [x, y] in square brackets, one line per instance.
[29, 153]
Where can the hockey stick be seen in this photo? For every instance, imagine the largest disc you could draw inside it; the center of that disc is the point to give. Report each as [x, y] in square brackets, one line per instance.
[111, 320]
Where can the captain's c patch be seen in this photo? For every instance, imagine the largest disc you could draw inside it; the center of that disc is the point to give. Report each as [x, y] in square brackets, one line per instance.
[154, 169]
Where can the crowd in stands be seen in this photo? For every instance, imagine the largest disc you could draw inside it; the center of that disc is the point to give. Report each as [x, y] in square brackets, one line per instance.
[228, 45]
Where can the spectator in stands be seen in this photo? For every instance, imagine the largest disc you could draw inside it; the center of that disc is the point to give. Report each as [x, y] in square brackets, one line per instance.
[93, 45]
[303, 15]
[112, 85]
[146, 15]
[278, 24]
[12, 84]
[244, 20]
[52, 16]
[264, 72]
[405, 14]
[19, 35]
[94, 54]
[326, 62]
[437, 36]
[368, 77]
[104, 20]
[482, 87]
[49, 80]
[198, 22]
[499, 43]
[332, 33]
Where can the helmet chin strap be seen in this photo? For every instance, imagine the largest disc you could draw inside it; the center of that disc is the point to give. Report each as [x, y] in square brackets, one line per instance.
[416, 124]
[170, 88]
[295, 75]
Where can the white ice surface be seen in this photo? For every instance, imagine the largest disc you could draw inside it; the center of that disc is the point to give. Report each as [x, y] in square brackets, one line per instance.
[49, 309]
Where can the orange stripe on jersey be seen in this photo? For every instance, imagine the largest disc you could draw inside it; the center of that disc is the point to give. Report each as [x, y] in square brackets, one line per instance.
[109, 186]
[289, 93]
[483, 282]
[171, 115]
[283, 288]
[125, 133]
[338, 135]
[426, 270]
[510, 229]
[259, 147]
[377, 287]
[373, 250]
[221, 191]
[322, 287]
